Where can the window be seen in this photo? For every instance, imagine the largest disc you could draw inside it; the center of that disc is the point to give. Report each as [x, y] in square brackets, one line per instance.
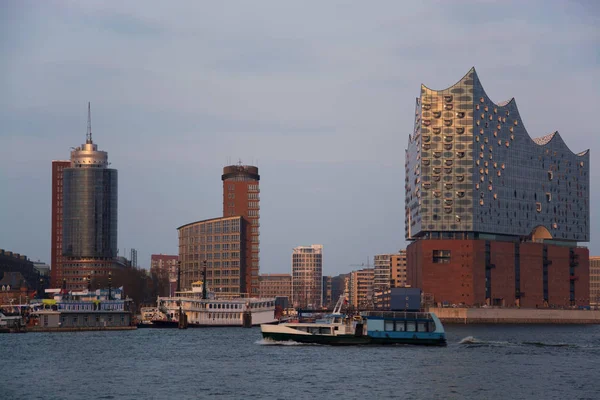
[441, 256]
[538, 207]
[389, 325]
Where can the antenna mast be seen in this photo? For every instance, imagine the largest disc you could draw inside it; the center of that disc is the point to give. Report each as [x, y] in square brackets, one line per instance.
[88, 138]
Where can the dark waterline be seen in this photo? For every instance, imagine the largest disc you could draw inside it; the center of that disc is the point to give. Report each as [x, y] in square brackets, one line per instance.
[480, 362]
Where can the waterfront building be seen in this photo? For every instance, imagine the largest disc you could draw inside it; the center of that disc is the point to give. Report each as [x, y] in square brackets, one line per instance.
[218, 245]
[494, 216]
[595, 282]
[275, 285]
[165, 266]
[307, 276]
[241, 196]
[389, 271]
[361, 288]
[398, 262]
[89, 215]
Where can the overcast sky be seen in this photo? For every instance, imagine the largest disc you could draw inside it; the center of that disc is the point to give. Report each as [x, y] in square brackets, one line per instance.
[319, 94]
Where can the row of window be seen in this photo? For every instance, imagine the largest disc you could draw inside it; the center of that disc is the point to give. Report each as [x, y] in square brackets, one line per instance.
[441, 256]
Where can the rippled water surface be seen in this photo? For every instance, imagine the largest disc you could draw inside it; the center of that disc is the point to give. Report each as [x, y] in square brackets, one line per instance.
[480, 362]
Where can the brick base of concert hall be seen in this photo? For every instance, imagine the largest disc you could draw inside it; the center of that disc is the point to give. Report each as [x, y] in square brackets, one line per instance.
[499, 273]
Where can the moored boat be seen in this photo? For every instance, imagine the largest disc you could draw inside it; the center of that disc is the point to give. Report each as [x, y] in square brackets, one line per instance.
[198, 308]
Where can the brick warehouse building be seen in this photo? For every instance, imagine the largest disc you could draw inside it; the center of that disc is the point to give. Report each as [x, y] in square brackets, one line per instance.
[494, 216]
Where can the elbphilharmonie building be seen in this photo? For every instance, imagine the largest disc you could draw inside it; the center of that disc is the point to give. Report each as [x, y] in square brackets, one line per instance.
[476, 180]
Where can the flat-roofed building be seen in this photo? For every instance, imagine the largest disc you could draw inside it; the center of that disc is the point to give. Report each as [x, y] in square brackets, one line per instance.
[275, 285]
[217, 244]
[398, 262]
[307, 276]
[361, 288]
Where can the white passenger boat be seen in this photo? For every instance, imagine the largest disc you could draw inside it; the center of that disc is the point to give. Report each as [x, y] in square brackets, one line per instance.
[198, 308]
[371, 327]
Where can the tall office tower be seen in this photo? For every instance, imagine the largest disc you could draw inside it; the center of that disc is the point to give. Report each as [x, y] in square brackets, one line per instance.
[595, 282]
[307, 276]
[398, 262]
[56, 271]
[494, 216]
[89, 214]
[218, 244]
[241, 196]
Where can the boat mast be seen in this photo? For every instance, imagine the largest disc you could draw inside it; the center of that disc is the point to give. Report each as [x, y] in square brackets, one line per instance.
[204, 282]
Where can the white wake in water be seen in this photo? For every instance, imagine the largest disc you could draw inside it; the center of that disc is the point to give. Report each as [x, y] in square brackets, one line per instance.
[471, 340]
[269, 342]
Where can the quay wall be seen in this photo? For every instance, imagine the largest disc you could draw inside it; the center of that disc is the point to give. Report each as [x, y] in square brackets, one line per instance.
[80, 329]
[515, 316]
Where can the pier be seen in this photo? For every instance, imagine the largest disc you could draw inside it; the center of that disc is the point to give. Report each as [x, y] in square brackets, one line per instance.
[515, 316]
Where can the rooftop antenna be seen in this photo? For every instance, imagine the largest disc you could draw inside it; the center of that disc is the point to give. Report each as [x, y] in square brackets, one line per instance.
[88, 138]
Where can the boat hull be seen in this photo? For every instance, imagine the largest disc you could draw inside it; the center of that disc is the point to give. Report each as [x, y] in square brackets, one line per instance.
[175, 324]
[348, 340]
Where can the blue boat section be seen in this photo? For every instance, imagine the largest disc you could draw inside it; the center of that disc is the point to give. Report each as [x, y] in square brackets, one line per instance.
[422, 329]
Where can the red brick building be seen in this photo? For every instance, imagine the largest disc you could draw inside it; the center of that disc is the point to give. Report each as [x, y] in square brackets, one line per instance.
[478, 272]
[56, 270]
[241, 196]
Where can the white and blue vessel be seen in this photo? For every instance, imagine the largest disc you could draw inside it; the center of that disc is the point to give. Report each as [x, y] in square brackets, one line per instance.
[371, 327]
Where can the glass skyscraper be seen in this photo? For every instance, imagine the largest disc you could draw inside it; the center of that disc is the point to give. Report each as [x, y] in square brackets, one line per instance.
[88, 193]
[90, 205]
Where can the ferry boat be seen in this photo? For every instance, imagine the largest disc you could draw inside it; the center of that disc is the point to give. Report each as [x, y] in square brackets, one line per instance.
[371, 327]
[198, 308]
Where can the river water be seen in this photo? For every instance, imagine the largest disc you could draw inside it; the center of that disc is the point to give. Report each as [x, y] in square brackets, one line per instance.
[480, 362]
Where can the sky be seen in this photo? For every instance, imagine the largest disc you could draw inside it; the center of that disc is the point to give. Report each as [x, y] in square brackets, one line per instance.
[318, 94]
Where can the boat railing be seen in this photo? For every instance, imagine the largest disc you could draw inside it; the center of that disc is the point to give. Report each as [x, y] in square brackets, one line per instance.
[398, 314]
